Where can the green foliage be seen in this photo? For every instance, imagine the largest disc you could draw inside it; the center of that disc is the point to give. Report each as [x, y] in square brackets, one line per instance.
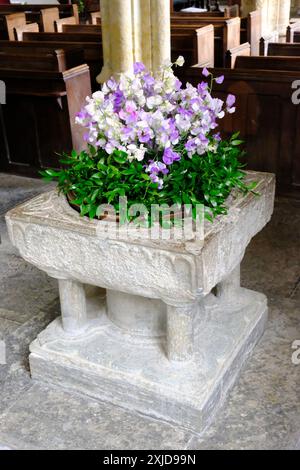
[95, 178]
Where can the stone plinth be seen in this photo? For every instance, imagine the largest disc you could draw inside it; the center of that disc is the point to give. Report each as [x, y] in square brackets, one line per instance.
[161, 327]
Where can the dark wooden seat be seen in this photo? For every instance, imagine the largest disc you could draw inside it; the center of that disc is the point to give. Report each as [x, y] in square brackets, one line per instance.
[227, 34]
[243, 50]
[265, 40]
[34, 59]
[82, 28]
[92, 51]
[251, 30]
[63, 37]
[196, 46]
[268, 63]
[283, 49]
[38, 120]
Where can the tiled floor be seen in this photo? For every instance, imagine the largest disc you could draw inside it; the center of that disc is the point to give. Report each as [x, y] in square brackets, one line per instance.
[262, 412]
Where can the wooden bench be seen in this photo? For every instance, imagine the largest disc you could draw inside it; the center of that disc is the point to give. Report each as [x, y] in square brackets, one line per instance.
[63, 37]
[283, 49]
[38, 120]
[93, 55]
[251, 30]
[56, 60]
[292, 31]
[266, 40]
[95, 17]
[59, 24]
[227, 34]
[243, 50]
[27, 28]
[82, 28]
[33, 14]
[266, 117]
[15, 20]
[268, 63]
[196, 46]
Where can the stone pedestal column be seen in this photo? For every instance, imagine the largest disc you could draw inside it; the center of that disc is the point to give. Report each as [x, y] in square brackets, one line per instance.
[229, 289]
[180, 332]
[134, 31]
[73, 306]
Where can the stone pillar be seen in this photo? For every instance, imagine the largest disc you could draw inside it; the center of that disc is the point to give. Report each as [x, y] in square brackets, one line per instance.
[73, 306]
[228, 289]
[180, 332]
[284, 13]
[275, 13]
[134, 31]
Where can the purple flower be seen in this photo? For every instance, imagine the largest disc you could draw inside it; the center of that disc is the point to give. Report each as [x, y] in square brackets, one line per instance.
[191, 145]
[148, 79]
[178, 85]
[230, 101]
[138, 67]
[205, 72]
[202, 87]
[170, 156]
[82, 114]
[111, 83]
[162, 168]
[217, 137]
[118, 99]
[220, 80]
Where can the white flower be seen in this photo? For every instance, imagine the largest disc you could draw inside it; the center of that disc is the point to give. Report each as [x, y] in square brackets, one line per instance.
[183, 124]
[180, 61]
[154, 101]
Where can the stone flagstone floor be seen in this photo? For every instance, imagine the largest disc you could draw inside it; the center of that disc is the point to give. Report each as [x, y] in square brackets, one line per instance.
[263, 409]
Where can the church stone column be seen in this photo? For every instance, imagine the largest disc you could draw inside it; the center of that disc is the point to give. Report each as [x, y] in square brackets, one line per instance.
[284, 12]
[134, 31]
[161, 32]
[275, 13]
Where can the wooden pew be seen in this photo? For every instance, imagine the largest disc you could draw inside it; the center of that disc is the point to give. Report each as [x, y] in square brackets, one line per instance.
[232, 11]
[95, 16]
[15, 20]
[266, 40]
[38, 120]
[56, 60]
[49, 16]
[59, 24]
[227, 34]
[266, 117]
[196, 46]
[251, 30]
[52, 22]
[243, 50]
[93, 54]
[292, 30]
[66, 37]
[268, 63]
[28, 28]
[283, 49]
[82, 28]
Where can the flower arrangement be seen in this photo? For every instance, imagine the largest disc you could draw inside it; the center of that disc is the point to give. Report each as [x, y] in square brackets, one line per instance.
[153, 141]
